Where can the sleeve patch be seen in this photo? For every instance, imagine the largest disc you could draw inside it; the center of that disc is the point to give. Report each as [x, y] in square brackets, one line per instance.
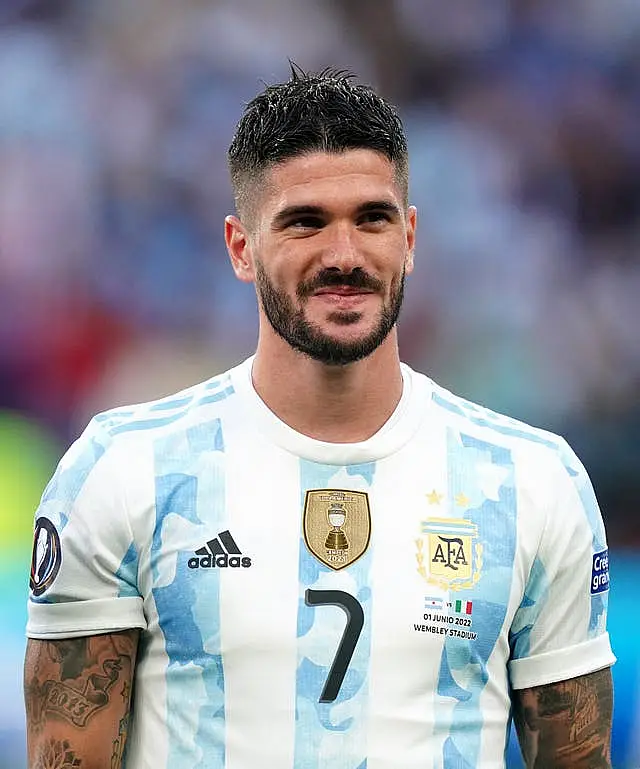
[46, 556]
[600, 572]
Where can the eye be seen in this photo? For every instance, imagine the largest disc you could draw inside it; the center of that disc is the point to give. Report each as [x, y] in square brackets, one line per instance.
[374, 218]
[305, 223]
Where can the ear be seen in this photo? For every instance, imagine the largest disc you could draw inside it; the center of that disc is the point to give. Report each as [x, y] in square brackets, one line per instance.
[412, 221]
[239, 248]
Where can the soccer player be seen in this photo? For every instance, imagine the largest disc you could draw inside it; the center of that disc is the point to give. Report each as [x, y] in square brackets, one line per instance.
[320, 558]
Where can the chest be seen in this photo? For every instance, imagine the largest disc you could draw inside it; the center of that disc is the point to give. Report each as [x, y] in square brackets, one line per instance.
[297, 561]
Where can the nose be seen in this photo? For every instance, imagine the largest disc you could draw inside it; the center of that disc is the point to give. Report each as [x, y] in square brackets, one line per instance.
[341, 250]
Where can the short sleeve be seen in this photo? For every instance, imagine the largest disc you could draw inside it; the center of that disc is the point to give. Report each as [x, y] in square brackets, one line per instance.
[559, 630]
[84, 562]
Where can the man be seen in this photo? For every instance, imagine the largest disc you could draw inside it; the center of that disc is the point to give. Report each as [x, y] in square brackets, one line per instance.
[319, 558]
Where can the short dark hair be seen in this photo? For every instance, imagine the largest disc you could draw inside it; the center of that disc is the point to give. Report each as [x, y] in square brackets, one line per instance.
[322, 111]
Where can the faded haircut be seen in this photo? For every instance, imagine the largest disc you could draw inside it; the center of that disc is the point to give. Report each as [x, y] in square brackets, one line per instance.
[325, 111]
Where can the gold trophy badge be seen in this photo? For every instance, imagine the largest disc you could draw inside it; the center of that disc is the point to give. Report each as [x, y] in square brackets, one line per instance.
[336, 538]
[346, 514]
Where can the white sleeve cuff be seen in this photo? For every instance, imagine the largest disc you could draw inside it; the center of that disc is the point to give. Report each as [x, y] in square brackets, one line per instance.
[73, 619]
[560, 665]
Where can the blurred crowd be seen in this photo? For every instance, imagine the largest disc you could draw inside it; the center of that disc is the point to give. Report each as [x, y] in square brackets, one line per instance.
[523, 121]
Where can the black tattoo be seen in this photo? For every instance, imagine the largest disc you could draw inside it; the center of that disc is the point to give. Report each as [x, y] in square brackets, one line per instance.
[71, 679]
[119, 743]
[72, 655]
[73, 691]
[566, 725]
[78, 705]
[56, 754]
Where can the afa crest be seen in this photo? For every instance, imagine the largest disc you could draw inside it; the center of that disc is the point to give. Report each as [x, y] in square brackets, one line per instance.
[448, 557]
[337, 525]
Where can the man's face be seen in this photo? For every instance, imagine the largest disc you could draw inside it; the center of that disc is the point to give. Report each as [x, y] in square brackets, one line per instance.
[329, 249]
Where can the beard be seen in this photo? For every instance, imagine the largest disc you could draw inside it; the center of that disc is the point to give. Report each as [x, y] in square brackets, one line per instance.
[291, 324]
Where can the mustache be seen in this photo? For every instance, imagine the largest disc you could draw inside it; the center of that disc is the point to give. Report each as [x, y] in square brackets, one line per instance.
[357, 278]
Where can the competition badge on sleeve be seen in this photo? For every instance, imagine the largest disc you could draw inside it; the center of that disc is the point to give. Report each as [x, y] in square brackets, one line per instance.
[337, 525]
[46, 556]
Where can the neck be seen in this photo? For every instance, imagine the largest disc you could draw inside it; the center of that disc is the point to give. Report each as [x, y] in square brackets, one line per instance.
[337, 404]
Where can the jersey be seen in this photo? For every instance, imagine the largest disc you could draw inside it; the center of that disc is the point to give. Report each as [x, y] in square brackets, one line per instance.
[309, 605]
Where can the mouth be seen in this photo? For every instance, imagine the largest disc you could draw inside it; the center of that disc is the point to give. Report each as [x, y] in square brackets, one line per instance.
[346, 291]
[343, 298]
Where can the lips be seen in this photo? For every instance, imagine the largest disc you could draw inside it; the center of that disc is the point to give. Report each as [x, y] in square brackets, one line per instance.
[343, 298]
[342, 291]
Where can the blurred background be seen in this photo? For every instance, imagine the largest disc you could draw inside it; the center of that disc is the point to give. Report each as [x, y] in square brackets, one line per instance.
[523, 118]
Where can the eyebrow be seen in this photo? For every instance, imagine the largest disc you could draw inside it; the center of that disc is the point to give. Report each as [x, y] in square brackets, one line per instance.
[290, 212]
[380, 205]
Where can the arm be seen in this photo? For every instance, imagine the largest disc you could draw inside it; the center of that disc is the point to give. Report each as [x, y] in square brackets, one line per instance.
[566, 725]
[77, 697]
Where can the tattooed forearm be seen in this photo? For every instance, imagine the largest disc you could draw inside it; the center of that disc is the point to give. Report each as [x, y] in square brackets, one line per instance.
[72, 679]
[566, 725]
[78, 700]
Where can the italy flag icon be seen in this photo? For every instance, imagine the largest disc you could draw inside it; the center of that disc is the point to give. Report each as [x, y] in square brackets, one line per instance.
[462, 607]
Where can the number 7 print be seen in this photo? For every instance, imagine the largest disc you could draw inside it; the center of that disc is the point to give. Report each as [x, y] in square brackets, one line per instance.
[355, 620]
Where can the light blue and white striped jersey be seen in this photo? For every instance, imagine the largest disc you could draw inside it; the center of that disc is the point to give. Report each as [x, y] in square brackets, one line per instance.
[308, 605]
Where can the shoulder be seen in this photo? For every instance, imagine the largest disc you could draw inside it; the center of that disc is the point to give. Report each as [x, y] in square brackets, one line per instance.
[201, 402]
[539, 463]
[117, 441]
[474, 425]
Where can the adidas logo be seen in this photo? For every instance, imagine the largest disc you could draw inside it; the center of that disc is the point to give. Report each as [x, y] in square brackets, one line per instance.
[221, 552]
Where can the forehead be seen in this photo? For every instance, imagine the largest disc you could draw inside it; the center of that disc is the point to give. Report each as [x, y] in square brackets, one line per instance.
[330, 180]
